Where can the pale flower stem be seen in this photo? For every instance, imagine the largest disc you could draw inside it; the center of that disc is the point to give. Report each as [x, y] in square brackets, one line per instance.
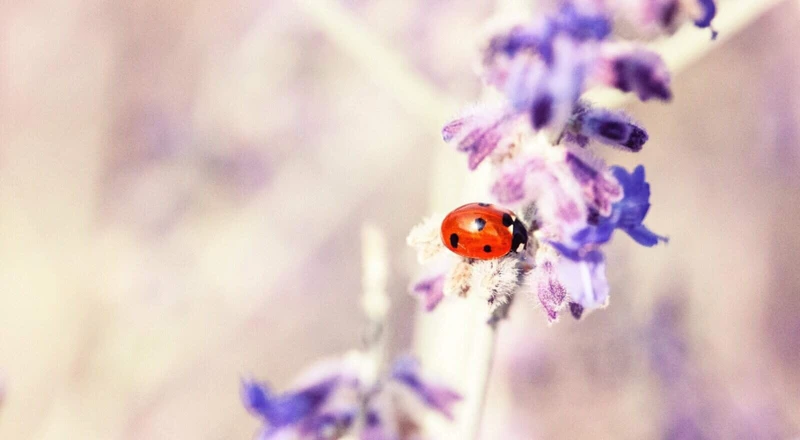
[385, 66]
[375, 299]
[482, 361]
[478, 384]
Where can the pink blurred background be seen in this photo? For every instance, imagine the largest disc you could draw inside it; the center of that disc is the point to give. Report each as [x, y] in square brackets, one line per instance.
[182, 186]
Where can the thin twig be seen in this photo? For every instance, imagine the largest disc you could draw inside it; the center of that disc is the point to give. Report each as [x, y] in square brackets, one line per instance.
[383, 64]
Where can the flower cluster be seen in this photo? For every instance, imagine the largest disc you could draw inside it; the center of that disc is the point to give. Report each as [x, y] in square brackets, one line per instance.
[336, 399]
[539, 139]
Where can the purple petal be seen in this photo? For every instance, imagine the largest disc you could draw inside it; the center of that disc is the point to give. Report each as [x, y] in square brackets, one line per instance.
[430, 290]
[709, 12]
[478, 133]
[509, 188]
[406, 371]
[561, 210]
[600, 190]
[585, 282]
[549, 290]
[288, 408]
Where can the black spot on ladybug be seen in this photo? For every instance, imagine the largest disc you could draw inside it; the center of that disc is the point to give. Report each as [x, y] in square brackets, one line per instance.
[454, 240]
[507, 220]
[519, 237]
[487, 248]
[480, 224]
[483, 204]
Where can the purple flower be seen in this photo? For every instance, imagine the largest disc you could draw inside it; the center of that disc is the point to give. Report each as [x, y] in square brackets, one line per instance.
[561, 209]
[626, 214]
[608, 127]
[289, 408]
[582, 27]
[406, 371]
[332, 405]
[538, 37]
[431, 290]
[635, 70]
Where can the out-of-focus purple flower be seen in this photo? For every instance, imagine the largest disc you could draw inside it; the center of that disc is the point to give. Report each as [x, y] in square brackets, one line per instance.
[289, 408]
[406, 370]
[666, 342]
[351, 403]
[431, 290]
[582, 26]
[608, 127]
[635, 70]
[538, 37]
[627, 215]
[479, 132]
[661, 14]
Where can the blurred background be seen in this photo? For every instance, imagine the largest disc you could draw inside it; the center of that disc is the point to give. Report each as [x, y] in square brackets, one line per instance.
[183, 183]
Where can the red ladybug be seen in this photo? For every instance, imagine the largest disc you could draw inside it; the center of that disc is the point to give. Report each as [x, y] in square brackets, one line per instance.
[483, 231]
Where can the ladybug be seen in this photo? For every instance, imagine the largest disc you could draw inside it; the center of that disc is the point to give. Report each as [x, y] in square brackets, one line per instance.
[483, 231]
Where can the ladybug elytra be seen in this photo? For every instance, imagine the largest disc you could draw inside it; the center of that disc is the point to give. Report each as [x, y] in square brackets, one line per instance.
[483, 231]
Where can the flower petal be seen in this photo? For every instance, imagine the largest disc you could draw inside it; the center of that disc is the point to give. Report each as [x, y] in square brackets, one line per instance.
[585, 282]
[430, 290]
[406, 371]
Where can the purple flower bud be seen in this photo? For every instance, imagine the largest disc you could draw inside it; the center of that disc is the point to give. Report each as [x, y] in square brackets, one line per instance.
[634, 70]
[609, 127]
[406, 371]
[541, 111]
[576, 310]
[430, 290]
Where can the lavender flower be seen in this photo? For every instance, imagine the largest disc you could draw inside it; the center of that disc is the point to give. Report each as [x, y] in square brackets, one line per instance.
[289, 408]
[541, 69]
[346, 403]
[633, 69]
[627, 215]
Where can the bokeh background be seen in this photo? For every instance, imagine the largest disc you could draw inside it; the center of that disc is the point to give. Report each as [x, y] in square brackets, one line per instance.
[183, 183]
